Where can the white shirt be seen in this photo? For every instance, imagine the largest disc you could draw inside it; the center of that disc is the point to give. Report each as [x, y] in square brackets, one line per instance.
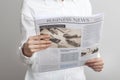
[43, 9]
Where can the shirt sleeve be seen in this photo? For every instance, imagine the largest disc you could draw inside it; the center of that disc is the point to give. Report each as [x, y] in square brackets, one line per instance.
[27, 28]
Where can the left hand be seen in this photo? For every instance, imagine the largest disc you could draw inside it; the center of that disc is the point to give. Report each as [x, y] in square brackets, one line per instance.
[96, 64]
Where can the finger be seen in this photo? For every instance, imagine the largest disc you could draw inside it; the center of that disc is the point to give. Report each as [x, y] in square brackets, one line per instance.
[44, 36]
[95, 64]
[97, 67]
[94, 60]
[38, 42]
[45, 42]
[39, 46]
[97, 70]
[35, 50]
[33, 42]
[38, 37]
[98, 64]
[44, 46]
[33, 46]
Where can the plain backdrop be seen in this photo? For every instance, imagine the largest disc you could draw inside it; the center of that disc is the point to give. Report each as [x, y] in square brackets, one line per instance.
[11, 67]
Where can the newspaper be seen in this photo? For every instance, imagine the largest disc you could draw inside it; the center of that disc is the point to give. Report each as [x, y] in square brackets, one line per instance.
[74, 41]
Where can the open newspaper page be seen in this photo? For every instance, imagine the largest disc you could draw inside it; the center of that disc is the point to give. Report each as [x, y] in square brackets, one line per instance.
[74, 41]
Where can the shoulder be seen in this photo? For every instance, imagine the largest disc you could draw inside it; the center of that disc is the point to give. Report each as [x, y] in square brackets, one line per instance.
[26, 9]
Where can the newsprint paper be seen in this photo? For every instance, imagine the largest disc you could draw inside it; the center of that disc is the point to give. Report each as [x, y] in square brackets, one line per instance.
[74, 41]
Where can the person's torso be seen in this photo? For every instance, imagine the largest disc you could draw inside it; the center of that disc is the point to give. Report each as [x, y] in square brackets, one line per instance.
[40, 9]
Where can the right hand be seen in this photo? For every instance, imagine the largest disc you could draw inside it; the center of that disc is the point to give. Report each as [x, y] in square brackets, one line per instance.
[36, 43]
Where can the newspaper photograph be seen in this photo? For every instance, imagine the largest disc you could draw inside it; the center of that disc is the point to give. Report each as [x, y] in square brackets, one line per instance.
[61, 36]
[74, 41]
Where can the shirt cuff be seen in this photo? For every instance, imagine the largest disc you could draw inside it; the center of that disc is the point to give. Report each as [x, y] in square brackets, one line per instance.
[25, 59]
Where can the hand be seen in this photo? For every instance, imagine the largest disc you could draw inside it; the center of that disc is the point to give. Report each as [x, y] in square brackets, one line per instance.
[36, 43]
[96, 64]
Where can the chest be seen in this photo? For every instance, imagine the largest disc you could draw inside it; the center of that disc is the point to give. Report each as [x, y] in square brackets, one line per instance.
[46, 10]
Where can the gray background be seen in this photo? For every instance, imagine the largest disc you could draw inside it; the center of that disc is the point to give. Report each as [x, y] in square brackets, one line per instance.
[12, 69]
